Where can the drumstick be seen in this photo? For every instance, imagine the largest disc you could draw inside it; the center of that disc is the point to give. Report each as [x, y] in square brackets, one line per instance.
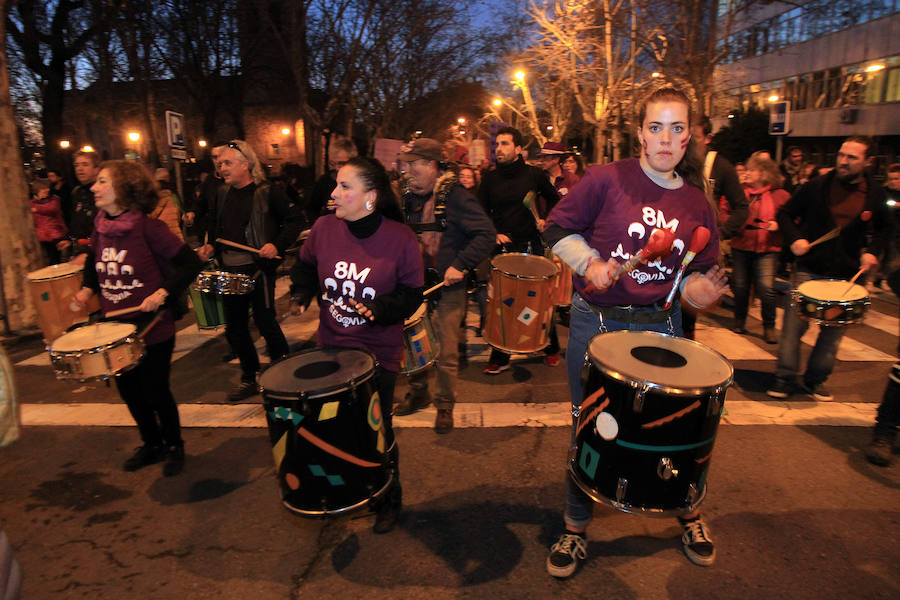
[121, 311]
[239, 246]
[699, 239]
[433, 289]
[659, 244]
[853, 281]
[828, 236]
[529, 202]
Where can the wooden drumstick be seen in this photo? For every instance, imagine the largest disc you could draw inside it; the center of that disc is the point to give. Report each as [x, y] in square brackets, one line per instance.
[239, 246]
[121, 311]
[699, 239]
[433, 289]
[853, 281]
[828, 236]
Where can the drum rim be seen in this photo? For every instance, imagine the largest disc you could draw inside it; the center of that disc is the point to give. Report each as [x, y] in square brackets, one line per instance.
[53, 277]
[526, 277]
[321, 393]
[796, 291]
[101, 347]
[655, 387]
[628, 508]
[341, 511]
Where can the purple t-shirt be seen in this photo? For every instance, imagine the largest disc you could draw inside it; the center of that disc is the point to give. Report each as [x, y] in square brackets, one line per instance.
[127, 253]
[615, 207]
[362, 269]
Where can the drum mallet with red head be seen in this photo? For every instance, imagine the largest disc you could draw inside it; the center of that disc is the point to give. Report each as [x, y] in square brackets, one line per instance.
[699, 239]
[659, 245]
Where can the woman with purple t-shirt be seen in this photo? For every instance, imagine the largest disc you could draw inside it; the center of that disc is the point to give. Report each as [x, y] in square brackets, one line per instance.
[138, 263]
[366, 267]
[605, 219]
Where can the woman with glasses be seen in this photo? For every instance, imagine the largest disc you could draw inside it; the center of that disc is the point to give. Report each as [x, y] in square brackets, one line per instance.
[250, 212]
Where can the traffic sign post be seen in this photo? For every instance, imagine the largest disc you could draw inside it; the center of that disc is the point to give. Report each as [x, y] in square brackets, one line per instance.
[175, 134]
[779, 124]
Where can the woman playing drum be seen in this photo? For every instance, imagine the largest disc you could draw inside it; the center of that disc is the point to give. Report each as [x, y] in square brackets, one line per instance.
[367, 266]
[138, 263]
[605, 220]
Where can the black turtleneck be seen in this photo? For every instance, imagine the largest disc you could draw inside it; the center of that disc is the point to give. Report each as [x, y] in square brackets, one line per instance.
[366, 226]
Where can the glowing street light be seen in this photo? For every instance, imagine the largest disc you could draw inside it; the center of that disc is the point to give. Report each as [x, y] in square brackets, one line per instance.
[64, 144]
[498, 102]
[87, 148]
[520, 76]
[285, 131]
[655, 74]
[201, 143]
[134, 136]
[874, 68]
[773, 98]
[461, 120]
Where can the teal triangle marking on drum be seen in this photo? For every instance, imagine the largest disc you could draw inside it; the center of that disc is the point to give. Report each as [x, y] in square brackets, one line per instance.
[509, 301]
[317, 470]
[296, 417]
[589, 460]
[45, 296]
[678, 448]
[335, 480]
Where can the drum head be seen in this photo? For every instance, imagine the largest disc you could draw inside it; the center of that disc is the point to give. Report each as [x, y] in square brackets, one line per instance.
[318, 371]
[657, 361]
[55, 271]
[525, 266]
[832, 290]
[92, 336]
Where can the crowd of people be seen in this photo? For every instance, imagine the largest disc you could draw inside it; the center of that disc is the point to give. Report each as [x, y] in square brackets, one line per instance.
[428, 221]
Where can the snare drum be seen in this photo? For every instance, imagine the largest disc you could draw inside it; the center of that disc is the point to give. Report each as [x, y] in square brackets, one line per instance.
[646, 428]
[53, 289]
[223, 283]
[520, 305]
[97, 351]
[326, 430]
[209, 308]
[419, 342]
[825, 302]
[562, 290]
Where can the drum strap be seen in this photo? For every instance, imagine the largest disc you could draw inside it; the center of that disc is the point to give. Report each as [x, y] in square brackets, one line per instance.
[634, 314]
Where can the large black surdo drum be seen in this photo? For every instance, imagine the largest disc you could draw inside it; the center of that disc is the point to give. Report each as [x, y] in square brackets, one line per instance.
[647, 425]
[327, 433]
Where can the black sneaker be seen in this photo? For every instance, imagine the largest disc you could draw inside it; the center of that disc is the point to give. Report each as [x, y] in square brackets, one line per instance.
[230, 356]
[781, 389]
[697, 544]
[174, 463]
[411, 404]
[818, 392]
[387, 513]
[566, 555]
[143, 456]
[244, 390]
[879, 452]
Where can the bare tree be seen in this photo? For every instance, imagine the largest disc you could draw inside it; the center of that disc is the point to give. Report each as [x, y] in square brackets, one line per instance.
[19, 249]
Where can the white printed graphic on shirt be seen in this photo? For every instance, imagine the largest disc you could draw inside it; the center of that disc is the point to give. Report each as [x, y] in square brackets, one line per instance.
[653, 271]
[112, 264]
[347, 281]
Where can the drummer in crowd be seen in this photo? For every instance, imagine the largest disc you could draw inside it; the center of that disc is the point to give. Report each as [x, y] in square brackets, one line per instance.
[367, 267]
[502, 193]
[79, 211]
[158, 266]
[455, 237]
[846, 198]
[605, 219]
[250, 212]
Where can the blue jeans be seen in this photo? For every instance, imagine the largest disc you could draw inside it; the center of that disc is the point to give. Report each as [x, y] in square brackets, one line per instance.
[584, 324]
[761, 266]
[821, 361]
[888, 418]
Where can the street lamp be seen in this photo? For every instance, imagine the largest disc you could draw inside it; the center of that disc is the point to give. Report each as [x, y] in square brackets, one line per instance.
[498, 102]
[285, 131]
[134, 136]
[773, 98]
[655, 74]
[87, 148]
[201, 143]
[64, 144]
[461, 120]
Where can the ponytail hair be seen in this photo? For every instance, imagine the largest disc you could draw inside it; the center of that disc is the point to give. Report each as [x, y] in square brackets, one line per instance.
[374, 177]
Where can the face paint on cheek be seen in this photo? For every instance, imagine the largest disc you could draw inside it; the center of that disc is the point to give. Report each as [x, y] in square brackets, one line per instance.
[684, 142]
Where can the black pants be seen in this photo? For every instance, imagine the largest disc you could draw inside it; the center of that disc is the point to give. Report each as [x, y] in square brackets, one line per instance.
[237, 321]
[145, 390]
[385, 381]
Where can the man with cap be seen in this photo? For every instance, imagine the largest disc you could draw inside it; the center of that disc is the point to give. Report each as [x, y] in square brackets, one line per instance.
[551, 157]
[503, 192]
[456, 235]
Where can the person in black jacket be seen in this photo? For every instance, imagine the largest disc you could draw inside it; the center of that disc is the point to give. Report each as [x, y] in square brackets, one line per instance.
[249, 211]
[456, 236]
[502, 193]
[847, 199]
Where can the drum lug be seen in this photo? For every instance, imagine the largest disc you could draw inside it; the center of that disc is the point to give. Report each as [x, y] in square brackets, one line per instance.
[665, 469]
[715, 402]
[639, 399]
[693, 495]
[621, 489]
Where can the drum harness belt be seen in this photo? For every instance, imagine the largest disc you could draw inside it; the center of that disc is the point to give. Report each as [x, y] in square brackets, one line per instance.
[633, 313]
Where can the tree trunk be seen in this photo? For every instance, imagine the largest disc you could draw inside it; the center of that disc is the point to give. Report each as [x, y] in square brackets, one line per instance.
[19, 249]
